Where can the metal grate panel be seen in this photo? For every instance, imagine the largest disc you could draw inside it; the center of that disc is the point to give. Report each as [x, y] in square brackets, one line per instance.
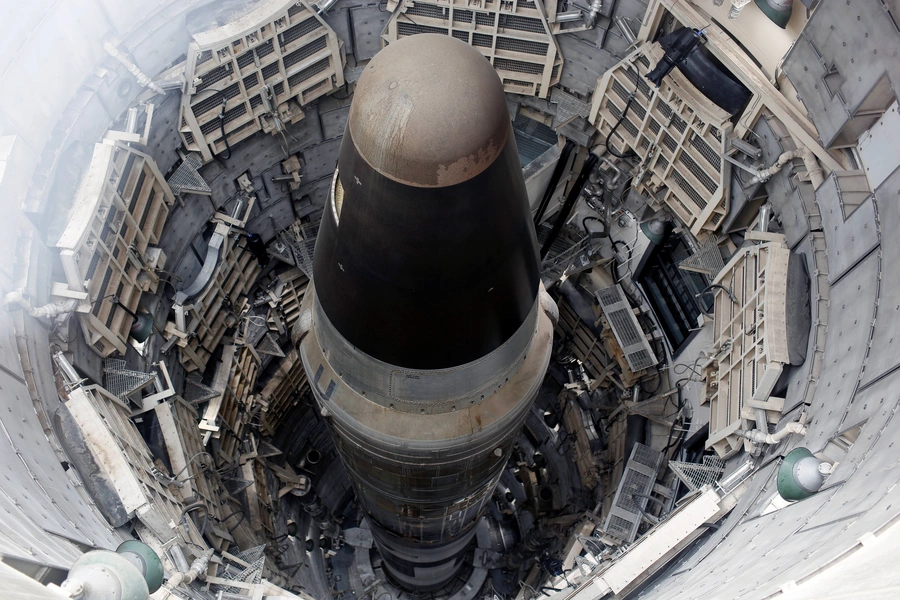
[624, 517]
[626, 329]
[707, 260]
[196, 392]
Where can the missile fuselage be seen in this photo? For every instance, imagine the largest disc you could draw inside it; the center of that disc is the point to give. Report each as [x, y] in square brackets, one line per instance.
[426, 340]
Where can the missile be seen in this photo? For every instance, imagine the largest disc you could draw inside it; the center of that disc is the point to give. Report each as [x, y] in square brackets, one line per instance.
[427, 333]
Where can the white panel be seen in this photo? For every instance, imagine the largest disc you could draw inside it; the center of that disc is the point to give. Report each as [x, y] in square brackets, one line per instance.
[878, 147]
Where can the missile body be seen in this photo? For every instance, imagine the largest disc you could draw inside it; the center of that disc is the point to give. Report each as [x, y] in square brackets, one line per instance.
[425, 340]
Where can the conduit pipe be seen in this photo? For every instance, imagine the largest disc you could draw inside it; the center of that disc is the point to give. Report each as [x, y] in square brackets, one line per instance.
[761, 437]
[141, 77]
[187, 577]
[763, 175]
[815, 172]
[48, 310]
[596, 7]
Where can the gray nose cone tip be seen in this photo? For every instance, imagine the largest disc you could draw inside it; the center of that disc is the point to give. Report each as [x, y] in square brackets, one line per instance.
[429, 111]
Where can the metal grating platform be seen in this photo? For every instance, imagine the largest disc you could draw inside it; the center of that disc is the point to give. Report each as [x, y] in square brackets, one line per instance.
[121, 381]
[695, 475]
[707, 260]
[197, 393]
[186, 178]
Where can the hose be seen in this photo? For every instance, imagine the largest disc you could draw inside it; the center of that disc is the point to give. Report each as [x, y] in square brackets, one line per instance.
[236, 525]
[707, 289]
[603, 233]
[192, 508]
[222, 124]
[647, 516]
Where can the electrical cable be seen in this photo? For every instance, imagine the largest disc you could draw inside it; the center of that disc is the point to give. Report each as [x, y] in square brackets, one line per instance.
[190, 460]
[655, 389]
[649, 518]
[222, 124]
[590, 218]
[609, 148]
[236, 525]
[574, 194]
[192, 508]
[707, 289]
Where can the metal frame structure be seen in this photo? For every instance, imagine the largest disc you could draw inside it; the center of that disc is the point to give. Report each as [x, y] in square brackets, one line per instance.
[751, 339]
[266, 65]
[213, 310]
[513, 35]
[676, 131]
[108, 246]
[227, 415]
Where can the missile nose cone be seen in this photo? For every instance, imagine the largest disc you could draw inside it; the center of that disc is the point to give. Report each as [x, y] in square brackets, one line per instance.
[429, 111]
[426, 256]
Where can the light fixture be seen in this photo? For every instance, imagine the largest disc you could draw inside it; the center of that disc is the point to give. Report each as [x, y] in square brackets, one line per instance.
[655, 230]
[801, 474]
[141, 325]
[778, 11]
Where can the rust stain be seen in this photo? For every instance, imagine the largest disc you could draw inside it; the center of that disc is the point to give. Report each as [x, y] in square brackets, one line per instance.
[467, 166]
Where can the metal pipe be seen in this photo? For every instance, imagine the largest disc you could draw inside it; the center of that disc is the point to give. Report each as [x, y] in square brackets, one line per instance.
[625, 29]
[68, 371]
[736, 7]
[746, 147]
[762, 437]
[611, 184]
[596, 7]
[187, 577]
[178, 558]
[815, 172]
[323, 5]
[142, 79]
[50, 309]
[765, 213]
[569, 16]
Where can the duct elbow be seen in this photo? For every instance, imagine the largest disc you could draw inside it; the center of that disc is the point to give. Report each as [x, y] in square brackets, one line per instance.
[761, 437]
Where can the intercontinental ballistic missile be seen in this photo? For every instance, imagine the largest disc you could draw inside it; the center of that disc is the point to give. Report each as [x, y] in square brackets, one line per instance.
[427, 335]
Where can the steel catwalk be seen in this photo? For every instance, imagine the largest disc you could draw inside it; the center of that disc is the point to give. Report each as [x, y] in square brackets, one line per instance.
[427, 335]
